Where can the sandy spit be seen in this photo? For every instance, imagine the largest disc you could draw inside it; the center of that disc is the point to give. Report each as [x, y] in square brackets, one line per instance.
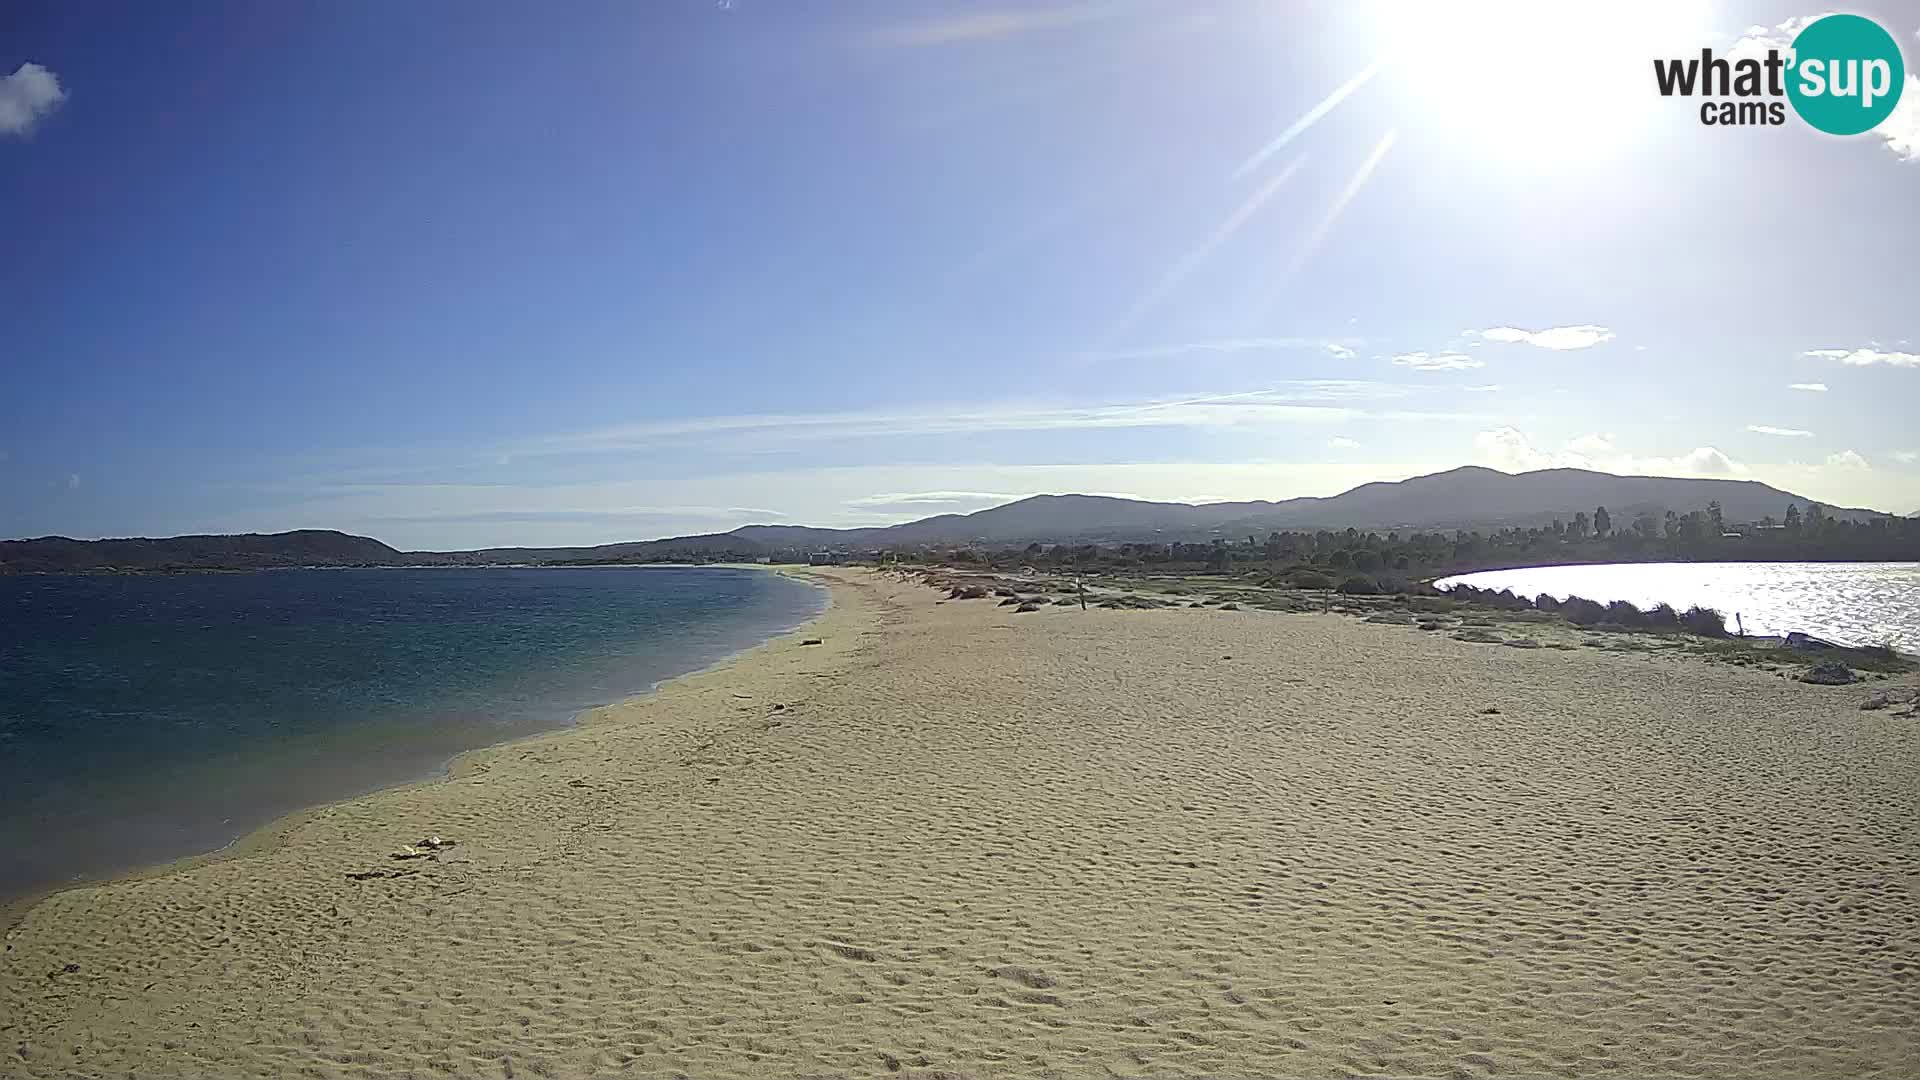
[956, 840]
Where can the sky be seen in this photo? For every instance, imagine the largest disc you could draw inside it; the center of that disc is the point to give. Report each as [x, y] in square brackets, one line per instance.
[487, 274]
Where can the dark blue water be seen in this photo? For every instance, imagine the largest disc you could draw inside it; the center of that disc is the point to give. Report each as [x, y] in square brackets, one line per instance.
[143, 718]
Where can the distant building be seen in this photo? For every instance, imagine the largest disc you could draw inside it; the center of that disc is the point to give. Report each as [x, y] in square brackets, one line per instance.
[822, 558]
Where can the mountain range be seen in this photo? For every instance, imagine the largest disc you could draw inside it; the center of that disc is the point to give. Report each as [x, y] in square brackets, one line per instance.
[1465, 498]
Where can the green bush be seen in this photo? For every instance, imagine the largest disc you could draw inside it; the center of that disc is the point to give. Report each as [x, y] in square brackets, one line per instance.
[1704, 621]
[1359, 585]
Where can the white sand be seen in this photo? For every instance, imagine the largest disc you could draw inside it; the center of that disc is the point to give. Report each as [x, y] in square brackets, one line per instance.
[1060, 843]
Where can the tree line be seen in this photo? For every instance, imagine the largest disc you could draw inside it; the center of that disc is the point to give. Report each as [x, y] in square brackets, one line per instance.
[1809, 535]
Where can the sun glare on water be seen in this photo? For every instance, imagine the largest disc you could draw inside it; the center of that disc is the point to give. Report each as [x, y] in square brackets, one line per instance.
[1543, 83]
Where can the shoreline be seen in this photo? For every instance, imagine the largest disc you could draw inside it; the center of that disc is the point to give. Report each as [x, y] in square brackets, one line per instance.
[957, 839]
[274, 832]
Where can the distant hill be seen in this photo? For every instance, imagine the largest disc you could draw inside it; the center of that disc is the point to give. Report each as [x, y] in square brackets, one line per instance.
[704, 546]
[249, 551]
[1463, 498]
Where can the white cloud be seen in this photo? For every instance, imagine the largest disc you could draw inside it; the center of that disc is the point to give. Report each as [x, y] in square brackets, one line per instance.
[1554, 337]
[1707, 461]
[932, 502]
[1448, 361]
[1341, 442]
[1901, 130]
[1510, 450]
[1490, 388]
[1339, 351]
[1847, 459]
[1906, 457]
[1791, 433]
[73, 481]
[1758, 39]
[1814, 387]
[26, 96]
[1867, 357]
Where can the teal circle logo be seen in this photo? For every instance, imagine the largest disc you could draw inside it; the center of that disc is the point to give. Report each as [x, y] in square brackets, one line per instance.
[1847, 74]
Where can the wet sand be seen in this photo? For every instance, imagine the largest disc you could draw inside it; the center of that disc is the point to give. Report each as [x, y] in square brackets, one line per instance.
[952, 839]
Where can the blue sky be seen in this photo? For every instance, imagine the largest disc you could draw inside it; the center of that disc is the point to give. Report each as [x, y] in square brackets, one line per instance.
[491, 274]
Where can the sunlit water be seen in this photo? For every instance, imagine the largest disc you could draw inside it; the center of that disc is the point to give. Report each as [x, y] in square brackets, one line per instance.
[143, 718]
[1852, 603]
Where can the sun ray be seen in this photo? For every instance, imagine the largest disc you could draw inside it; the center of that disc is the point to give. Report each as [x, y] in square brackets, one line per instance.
[1327, 221]
[1312, 116]
[1191, 261]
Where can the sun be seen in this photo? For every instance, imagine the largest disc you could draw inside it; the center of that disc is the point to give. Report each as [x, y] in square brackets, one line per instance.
[1539, 82]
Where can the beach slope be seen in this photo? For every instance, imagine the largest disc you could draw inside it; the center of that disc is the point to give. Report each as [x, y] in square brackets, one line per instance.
[954, 839]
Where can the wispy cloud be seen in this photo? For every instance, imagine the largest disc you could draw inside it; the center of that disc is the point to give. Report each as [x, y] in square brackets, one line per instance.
[1847, 459]
[1338, 351]
[982, 26]
[1341, 442]
[26, 97]
[1307, 401]
[1218, 345]
[1559, 338]
[1449, 361]
[931, 502]
[1812, 387]
[1906, 457]
[1490, 388]
[1866, 357]
[1791, 433]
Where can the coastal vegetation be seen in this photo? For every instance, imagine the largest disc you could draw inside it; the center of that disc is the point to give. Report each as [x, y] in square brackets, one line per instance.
[1469, 614]
[1394, 561]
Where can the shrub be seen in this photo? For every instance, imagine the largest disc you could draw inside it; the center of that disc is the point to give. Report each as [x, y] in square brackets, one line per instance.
[1547, 602]
[1704, 621]
[1359, 585]
[1309, 579]
[1626, 614]
[1828, 673]
[1581, 611]
[1663, 615]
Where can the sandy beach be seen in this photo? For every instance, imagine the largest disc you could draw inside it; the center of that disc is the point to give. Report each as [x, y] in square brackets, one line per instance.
[954, 840]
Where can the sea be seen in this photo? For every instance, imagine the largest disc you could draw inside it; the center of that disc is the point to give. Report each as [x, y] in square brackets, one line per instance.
[1849, 603]
[148, 717]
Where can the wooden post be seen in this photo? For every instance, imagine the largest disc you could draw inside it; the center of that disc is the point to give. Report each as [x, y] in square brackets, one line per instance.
[1082, 587]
